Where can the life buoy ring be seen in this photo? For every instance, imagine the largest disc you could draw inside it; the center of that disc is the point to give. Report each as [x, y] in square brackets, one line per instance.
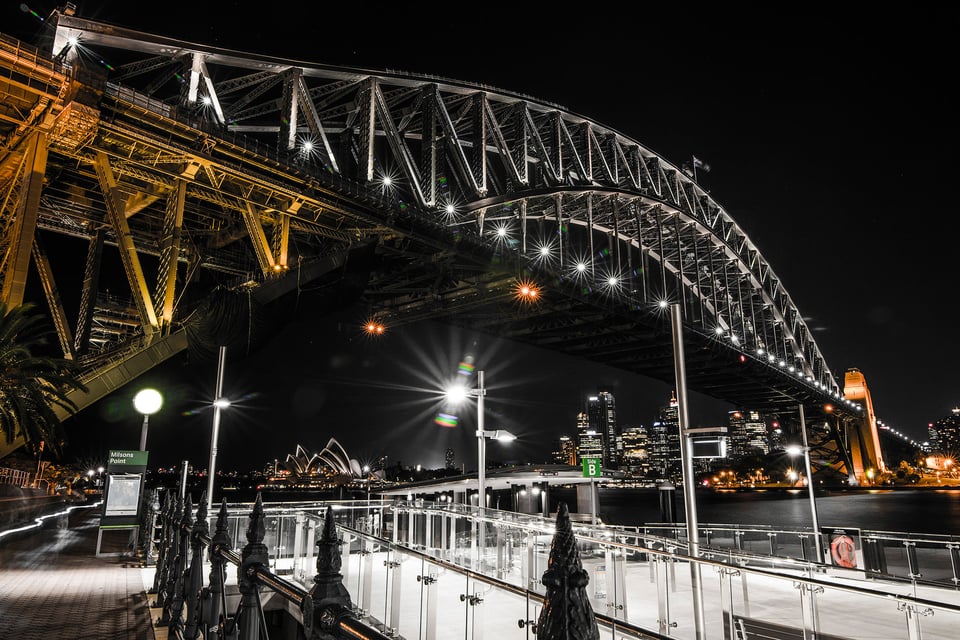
[843, 551]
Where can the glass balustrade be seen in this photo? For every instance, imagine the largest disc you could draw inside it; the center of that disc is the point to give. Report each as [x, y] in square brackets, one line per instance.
[417, 570]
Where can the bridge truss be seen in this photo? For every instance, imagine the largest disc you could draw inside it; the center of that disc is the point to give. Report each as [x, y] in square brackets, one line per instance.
[216, 180]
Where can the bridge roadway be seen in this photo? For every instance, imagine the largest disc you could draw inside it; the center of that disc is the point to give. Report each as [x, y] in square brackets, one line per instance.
[54, 585]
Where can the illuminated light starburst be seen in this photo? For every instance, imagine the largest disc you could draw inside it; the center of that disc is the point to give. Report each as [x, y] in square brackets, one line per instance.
[526, 291]
[374, 327]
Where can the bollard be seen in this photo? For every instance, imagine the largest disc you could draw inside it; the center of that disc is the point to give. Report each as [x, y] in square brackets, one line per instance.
[566, 613]
[668, 501]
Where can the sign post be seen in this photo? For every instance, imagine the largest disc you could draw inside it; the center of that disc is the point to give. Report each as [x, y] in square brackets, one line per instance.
[591, 469]
[126, 472]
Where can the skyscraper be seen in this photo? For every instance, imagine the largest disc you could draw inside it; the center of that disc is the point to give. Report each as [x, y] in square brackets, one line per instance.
[448, 459]
[664, 441]
[589, 442]
[602, 414]
[565, 451]
[747, 434]
[636, 455]
[946, 431]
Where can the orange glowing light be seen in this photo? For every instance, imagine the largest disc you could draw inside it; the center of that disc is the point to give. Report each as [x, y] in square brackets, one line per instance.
[526, 291]
[374, 328]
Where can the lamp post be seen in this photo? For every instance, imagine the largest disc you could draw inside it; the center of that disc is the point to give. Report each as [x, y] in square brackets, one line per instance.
[456, 393]
[147, 402]
[794, 450]
[219, 403]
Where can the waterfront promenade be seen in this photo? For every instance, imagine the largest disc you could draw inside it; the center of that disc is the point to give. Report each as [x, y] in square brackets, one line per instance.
[53, 585]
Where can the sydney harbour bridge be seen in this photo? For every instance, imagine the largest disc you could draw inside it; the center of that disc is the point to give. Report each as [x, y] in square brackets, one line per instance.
[184, 194]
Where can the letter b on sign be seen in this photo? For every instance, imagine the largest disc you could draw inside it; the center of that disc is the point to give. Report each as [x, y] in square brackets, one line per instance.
[591, 467]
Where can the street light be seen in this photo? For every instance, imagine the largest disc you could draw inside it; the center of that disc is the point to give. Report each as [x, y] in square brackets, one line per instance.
[219, 403]
[147, 402]
[457, 393]
[482, 437]
[805, 449]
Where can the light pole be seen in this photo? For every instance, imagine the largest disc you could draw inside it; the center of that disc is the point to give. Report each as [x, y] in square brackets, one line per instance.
[482, 436]
[147, 402]
[794, 450]
[457, 393]
[219, 403]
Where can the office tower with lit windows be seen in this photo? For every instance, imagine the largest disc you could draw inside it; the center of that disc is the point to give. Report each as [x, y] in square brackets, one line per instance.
[565, 451]
[945, 434]
[448, 460]
[664, 442]
[602, 414]
[589, 442]
[746, 434]
[636, 458]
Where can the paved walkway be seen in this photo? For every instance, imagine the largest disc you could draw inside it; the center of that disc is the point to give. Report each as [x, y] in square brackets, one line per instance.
[53, 585]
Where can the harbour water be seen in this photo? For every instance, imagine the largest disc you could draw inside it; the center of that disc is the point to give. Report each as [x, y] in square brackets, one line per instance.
[920, 510]
[904, 510]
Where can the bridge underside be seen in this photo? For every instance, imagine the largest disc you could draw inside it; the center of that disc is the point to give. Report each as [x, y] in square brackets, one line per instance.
[176, 202]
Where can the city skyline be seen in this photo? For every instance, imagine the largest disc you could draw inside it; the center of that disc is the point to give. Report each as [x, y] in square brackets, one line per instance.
[816, 146]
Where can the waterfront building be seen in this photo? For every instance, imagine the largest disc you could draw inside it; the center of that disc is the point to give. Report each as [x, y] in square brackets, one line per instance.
[747, 434]
[945, 434]
[589, 442]
[636, 454]
[665, 442]
[564, 451]
[448, 460]
[775, 438]
[602, 415]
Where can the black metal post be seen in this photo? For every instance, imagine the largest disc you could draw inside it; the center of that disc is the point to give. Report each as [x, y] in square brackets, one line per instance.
[254, 556]
[215, 594]
[163, 555]
[330, 598]
[181, 570]
[566, 613]
[193, 582]
[170, 574]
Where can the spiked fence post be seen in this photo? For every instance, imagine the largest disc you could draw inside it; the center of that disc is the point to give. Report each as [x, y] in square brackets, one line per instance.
[566, 613]
[181, 570]
[331, 601]
[170, 575]
[254, 556]
[193, 582]
[214, 595]
[159, 574]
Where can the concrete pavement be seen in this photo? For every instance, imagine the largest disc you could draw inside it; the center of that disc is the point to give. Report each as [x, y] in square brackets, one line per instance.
[53, 585]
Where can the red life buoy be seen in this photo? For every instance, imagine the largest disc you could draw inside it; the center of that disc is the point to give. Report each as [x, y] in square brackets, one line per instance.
[843, 551]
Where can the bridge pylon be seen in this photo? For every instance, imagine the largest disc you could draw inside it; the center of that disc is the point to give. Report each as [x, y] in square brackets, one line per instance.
[863, 440]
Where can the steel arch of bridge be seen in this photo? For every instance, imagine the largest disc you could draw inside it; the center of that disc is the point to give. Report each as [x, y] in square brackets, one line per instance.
[221, 169]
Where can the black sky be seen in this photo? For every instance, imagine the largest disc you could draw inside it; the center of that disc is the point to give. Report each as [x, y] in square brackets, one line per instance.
[831, 140]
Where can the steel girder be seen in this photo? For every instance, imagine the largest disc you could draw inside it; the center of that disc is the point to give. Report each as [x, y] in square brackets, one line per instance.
[289, 163]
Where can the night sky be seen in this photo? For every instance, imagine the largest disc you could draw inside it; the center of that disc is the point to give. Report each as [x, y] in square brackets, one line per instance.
[831, 140]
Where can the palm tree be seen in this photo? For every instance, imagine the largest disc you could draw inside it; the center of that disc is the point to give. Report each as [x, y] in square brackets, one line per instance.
[32, 384]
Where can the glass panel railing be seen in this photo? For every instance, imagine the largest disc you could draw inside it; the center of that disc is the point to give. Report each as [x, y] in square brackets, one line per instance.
[640, 584]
